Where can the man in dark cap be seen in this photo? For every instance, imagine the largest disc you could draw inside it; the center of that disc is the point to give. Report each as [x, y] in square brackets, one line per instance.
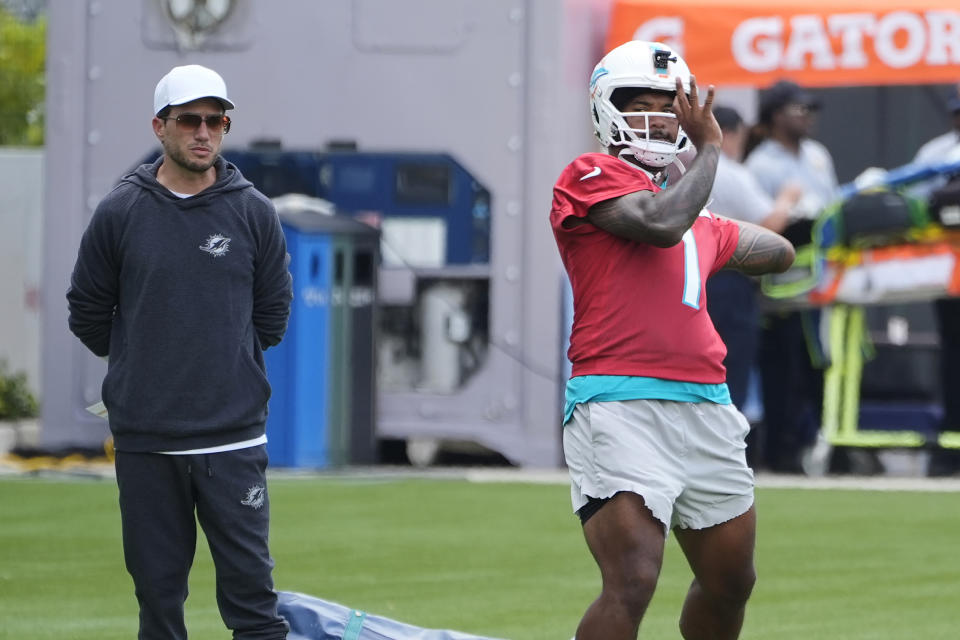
[732, 297]
[945, 144]
[788, 154]
[945, 148]
[790, 356]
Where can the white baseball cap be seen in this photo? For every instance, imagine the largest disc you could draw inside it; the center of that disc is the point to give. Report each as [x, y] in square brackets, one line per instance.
[188, 83]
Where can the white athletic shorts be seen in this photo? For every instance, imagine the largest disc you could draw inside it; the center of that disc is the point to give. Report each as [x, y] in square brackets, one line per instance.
[687, 460]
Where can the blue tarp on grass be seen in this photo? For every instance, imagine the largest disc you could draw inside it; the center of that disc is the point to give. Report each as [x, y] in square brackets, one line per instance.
[315, 619]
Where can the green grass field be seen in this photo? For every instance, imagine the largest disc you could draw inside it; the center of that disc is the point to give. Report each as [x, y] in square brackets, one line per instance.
[498, 559]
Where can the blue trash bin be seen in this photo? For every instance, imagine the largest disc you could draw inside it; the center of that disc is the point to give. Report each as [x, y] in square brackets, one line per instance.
[325, 360]
[299, 368]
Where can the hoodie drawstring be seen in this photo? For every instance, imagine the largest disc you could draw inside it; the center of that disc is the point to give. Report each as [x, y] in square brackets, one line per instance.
[206, 460]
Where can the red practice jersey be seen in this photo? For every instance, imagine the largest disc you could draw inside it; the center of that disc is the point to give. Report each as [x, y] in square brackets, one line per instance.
[639, 310]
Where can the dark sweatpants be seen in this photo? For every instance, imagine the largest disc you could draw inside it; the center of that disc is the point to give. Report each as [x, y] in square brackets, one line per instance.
[733, 307]
[792, 387]
[159, 495]
[947, 461]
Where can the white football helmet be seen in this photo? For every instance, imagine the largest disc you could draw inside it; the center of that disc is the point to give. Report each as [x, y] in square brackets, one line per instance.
[642, 65]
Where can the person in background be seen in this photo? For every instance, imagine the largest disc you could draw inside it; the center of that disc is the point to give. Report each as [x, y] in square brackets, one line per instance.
[182, 280]
[945, 148]
[651, 439]
[791, 359]
[733, 299]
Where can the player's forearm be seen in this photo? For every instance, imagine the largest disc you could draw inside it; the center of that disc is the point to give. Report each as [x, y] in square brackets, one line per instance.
[660, 218]
[90, 312]
[760, 251]
[674, 210]
[94, 335]
[779, 216]
[777, 221]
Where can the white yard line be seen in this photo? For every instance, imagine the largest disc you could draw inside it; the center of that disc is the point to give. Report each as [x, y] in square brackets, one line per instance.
[871, 483]
[764, 480]
[524, 476]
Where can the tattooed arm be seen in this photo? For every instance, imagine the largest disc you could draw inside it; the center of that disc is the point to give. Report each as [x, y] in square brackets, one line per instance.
[760, 251]
[662, 218]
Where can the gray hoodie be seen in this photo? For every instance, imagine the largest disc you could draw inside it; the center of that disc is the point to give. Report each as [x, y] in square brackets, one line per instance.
[183, 295]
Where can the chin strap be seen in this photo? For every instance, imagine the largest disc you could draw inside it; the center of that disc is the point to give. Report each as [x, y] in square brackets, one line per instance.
[658, 178]
[679, 165]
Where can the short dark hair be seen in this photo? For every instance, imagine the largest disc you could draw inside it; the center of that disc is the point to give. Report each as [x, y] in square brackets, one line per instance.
[727, 118]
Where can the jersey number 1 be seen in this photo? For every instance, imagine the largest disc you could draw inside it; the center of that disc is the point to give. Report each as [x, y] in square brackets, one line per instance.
[691, 270]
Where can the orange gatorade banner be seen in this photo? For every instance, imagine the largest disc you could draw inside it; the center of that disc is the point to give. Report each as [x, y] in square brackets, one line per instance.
[814, 43]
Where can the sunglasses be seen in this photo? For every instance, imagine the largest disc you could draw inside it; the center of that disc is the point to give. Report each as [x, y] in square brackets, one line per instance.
[216, 123]
[797, 109]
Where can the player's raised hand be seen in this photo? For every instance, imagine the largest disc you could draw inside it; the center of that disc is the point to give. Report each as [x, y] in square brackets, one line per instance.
[696, 119]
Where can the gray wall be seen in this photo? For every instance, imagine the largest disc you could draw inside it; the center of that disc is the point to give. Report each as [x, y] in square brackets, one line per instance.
[21, 237]
[499, 84]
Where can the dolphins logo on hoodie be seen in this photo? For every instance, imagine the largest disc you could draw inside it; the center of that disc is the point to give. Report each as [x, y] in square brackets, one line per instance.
[216, 245]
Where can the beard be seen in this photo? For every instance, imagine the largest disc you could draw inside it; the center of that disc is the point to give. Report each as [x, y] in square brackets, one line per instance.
[180, 158]
[662, 136]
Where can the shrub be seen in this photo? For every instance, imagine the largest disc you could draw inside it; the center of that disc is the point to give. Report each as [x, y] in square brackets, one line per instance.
[16, 400]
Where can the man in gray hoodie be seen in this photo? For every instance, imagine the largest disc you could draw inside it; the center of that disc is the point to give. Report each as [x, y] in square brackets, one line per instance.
[182, 280]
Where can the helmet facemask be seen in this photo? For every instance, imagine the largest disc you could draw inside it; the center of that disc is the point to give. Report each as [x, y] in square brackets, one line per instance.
[649, 151]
